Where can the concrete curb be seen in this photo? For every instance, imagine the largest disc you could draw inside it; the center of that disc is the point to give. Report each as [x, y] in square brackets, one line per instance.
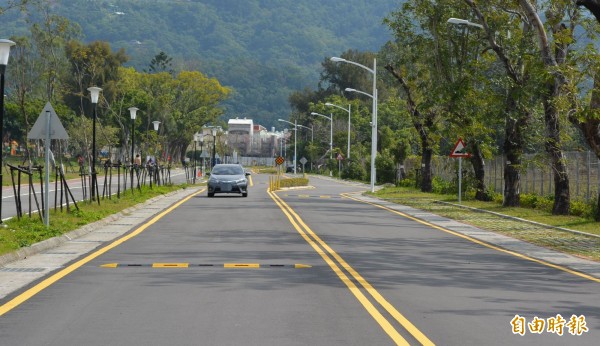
[58, 240]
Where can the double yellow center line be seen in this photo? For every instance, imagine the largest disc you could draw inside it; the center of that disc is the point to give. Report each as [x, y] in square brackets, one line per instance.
[344, 271]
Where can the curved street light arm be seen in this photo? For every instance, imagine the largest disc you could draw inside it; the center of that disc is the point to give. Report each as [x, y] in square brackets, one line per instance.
[358, 91]
[336, 106]
[321, 115]
[336, 59]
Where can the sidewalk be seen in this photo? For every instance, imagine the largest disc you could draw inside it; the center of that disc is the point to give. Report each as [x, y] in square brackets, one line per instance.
[27, 265]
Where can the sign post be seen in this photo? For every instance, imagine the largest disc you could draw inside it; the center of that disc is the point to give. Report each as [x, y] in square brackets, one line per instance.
[460, 151]
[47, 127]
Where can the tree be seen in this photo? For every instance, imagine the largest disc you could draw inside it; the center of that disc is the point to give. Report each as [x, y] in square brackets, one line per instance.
[512, 52]
[554, 59]
[415, 71]
[161, 63]
[589, 121]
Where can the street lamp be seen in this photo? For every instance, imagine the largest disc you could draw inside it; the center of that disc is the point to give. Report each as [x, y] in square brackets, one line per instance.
[330, 118]
[95, 93]
[196, 139]
[349, 111]
[459, 21]
[214, 134]
[202, 152]
[295, 123]
[373, 71]
[311, 140]
[4, 53]
[133, 114]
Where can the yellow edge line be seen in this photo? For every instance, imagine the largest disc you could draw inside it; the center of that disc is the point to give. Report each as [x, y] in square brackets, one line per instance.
[23, 297]
[481, 242]
[250, 181]
[379, 318]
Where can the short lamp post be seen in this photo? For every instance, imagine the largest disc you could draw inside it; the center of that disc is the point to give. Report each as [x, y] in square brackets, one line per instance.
[373, 96]
[196, 139]
[349, 110]
[95, 93]
[133, 114]
[295, 123]
[4, 53]
[330, 118]
[156, 125]
[214, 154]
[202, 152]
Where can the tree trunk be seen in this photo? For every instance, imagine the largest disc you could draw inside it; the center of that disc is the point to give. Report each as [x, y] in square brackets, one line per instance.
[562, 196]
[513, 150]
[426, 176]
[479, 169]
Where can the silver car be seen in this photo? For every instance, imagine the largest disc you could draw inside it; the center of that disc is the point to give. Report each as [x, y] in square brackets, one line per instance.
[228, 178]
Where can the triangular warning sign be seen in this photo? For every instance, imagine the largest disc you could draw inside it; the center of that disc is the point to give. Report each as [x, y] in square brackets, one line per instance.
[57, 131]
[460, 150]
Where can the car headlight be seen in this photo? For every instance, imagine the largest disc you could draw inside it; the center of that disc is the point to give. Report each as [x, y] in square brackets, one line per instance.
[240, 181]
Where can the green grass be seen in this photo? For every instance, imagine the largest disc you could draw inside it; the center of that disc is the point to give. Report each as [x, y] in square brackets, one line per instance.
[579, 245]
[28, 231]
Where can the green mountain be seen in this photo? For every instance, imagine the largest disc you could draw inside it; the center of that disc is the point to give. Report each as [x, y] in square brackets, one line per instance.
[264, 49]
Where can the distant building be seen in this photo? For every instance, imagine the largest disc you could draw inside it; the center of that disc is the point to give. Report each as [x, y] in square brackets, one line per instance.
[241, 135]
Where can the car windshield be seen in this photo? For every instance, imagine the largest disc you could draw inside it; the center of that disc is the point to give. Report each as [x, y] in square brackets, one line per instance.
[228, 170]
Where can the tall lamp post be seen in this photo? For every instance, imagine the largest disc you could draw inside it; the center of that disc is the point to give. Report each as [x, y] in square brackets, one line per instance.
[330, 118]
[311, 139]
[373, 71]
[295, 123]
[95, 93]
[4, 53]
[133, 114]
[349, 110]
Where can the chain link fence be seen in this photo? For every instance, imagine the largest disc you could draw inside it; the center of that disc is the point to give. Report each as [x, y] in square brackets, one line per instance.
[536, 173]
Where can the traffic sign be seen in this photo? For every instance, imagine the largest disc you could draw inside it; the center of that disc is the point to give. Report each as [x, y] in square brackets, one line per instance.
[459, 149]
[57, 131]
[303, 160]
[279, 160]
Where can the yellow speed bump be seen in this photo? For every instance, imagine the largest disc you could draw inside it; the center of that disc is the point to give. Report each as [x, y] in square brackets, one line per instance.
[241, 265]
[170, 265]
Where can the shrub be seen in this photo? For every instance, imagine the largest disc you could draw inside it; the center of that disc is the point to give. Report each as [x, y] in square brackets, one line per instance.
[386, 169]
[529, 200]
[444, 187]
[544, 204]
[354, 170]
[582, 208]
[291, 182]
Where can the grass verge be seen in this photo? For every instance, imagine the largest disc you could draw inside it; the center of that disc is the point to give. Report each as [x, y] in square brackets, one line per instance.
[28, 231]
[575, 244]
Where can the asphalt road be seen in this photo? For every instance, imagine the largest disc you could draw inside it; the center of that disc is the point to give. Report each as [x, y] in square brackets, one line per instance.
[301, 267]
